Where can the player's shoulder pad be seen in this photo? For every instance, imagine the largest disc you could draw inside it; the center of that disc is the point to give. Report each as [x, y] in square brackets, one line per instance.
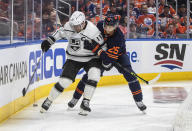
[91, 30]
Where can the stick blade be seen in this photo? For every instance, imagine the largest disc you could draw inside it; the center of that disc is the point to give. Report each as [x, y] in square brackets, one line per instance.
[23, 91]
[155, 79]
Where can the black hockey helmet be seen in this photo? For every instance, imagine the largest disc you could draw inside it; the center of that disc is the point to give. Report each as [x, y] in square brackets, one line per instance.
[111, 20]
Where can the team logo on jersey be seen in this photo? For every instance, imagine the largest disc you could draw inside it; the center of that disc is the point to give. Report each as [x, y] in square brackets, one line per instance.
[148, 21]
[170, 56]
[133, 13]
[75, 44]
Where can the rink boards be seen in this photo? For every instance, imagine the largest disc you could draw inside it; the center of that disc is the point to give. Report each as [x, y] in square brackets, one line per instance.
[148, 58]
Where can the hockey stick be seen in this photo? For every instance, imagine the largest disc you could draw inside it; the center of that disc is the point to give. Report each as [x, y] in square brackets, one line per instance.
[134, 74]
[24, 91]
[125, 69]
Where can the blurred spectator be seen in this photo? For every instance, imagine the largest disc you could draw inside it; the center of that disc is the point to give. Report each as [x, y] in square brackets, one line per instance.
[161, 30]
[49, 18]
[134, 11]
[183, 21]
[132, 17]
[21, 32]
[96, 18]
[182, 10]
[105, 7]
[132, 2]
[133, 33]
[139, 3]
[151, 7]
[112, 9]
[145, 22]
[18, 10]
[4, 9]
[184, 24]
[161, 8]
[123, 25]
[170, 32]
[166, 12]
[92, 8]
[49, 6]
[47, 25]
[179, 28]
[119, 10]
[165, 17]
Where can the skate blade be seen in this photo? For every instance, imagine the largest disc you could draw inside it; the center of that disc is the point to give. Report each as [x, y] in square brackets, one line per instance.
[70, 109]
[42, 110]
[144, 112]
[83, 112]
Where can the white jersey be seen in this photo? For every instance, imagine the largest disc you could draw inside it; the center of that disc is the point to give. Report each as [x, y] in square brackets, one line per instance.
[75, 49]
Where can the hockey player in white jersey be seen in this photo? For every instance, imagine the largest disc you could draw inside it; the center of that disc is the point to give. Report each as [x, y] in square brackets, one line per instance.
[78, 57]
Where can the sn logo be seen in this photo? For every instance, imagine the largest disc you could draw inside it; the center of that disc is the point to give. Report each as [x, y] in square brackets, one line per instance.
[170, 51]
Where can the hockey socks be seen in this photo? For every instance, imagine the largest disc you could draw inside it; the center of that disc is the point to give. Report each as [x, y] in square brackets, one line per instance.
[136, 90]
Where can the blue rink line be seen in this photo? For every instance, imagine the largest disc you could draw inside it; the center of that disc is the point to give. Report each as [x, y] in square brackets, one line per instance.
[18, 44]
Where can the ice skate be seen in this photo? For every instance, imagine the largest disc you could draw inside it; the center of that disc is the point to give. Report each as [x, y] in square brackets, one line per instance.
[84, 108]
[141, 106]
[72, 103]
[45, 106]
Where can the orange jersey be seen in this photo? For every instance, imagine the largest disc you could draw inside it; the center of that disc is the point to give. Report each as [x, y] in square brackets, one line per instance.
[183, 19]
[105, 9]
[181, 29]
[178, 27]
[95, 19]
[98, 1]
[138, 3]
[172, 36]
[146, 20]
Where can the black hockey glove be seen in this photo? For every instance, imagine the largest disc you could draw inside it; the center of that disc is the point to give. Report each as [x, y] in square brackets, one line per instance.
[93, 46]
[106, 65]
[46, 44]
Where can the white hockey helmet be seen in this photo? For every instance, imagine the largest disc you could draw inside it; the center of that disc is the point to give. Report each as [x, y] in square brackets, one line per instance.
[76, 20]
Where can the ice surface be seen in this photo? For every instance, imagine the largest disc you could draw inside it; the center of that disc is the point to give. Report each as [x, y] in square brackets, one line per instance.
[113, 109]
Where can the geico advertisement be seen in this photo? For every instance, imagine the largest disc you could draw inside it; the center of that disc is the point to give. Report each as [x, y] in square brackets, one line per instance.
[163, 56]
[51, 63]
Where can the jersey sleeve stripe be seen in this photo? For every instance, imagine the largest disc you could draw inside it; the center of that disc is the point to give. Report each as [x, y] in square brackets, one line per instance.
[95, 48]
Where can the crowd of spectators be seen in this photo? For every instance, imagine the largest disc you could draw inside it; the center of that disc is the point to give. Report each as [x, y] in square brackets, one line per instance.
[142, 17]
